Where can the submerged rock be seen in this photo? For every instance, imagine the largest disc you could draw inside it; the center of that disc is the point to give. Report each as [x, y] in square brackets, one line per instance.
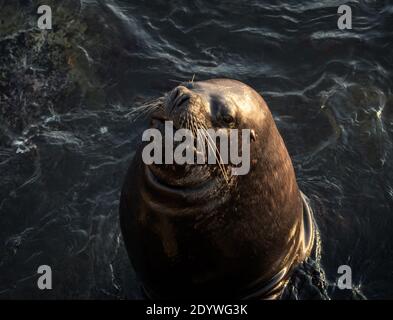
[42, 72]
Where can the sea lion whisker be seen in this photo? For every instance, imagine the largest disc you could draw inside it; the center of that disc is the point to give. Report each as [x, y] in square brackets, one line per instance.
[193, 126]
[138, 110]
[142, 112]
[146, 109]
[216, 152]
[217, 156]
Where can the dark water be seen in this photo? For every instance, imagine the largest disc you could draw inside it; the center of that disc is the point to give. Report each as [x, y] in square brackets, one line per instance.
[67, 135]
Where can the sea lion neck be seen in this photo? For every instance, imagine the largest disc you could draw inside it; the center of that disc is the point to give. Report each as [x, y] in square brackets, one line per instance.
[180, 201]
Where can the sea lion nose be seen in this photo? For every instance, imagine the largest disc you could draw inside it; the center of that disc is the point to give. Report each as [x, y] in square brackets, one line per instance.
[181, 90]
[179, 96]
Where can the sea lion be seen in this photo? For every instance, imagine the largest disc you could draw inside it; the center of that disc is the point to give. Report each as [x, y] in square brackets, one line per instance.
[191, 233]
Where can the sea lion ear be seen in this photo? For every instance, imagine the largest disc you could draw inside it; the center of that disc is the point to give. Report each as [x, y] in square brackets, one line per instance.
[253, 135]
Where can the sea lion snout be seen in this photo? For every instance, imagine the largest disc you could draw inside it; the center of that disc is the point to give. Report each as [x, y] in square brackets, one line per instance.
[179, 96]
[184, 108]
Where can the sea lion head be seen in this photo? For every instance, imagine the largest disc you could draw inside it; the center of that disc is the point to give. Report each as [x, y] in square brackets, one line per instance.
[217, 103]
[198, 230]
[218, 106]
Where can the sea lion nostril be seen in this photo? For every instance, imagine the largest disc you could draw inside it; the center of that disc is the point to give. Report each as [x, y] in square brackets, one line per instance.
[177, 92]
[182, 90]
[181, 100]
[180, 96]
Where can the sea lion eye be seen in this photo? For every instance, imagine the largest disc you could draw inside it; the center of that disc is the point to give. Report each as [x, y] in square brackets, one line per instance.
[228, 118]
